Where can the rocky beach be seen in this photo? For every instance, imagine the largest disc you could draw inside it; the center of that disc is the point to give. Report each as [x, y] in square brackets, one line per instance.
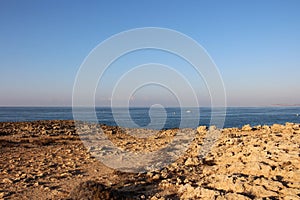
[47, 160]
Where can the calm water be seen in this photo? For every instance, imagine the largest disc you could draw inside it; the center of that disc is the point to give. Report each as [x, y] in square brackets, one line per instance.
[235, 116]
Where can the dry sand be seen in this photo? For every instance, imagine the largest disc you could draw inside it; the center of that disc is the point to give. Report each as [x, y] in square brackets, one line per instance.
[47, 160]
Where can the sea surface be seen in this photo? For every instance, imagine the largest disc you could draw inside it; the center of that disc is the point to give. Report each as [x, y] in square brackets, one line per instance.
[160, 118]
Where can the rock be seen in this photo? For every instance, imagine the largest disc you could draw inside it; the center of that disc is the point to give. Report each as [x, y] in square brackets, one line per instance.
[40, 174]
[290, 191]
[246, 127]
[150, 174]
[16, 180]
[277, 128]
[207, 194]
[258, 127]
[90, 190]
[232, 196]
[94, 190]
[7, 181]
[64, 175]
[2, 194]
[164, 173]
[156, 177]
[189, 162]
[178, 181]
[259, 191]
[256, 169]
[186, 181]
[291, 197]
[212, 128]
[187, 192]
[287, 124]
[201, 129]
[46, 188]
[223, 182]
[296, 127]
[157, 198]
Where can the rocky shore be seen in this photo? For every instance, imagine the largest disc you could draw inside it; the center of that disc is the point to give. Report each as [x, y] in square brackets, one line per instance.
[47, 160]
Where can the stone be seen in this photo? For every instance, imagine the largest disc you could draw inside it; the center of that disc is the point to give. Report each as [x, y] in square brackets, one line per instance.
[207, 194]
[258, 127]
[90, 190]
[164, 173]
[156, 177]
[266, 127]
[233, 196]
[64, 175]
[189, 162]
[40, 174]
[186, 191]
[223, 182]
[150, 174]
[259, 191]
[7, 181]
[290, 197]
[277, 128]
[288, 124]
[201, 129]
[212, 128]
[157, 198]
[246, 127]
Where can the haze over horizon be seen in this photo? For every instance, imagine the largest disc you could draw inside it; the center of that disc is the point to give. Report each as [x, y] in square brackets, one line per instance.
[254, 44]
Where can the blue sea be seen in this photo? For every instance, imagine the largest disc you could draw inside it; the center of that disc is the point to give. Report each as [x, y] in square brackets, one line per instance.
[167, 118]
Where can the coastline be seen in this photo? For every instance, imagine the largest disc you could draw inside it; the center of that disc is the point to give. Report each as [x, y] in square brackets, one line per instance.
[47, 159]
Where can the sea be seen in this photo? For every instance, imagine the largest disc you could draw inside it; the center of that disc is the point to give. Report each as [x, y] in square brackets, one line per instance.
[165, 118]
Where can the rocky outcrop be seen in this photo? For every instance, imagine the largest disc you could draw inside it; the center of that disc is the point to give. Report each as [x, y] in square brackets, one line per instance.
[47, 160]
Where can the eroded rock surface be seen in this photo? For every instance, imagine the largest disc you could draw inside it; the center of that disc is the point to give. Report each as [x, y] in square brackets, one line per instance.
[47, 160]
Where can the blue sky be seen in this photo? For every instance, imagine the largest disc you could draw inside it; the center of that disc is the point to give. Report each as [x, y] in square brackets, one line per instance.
[255, 45]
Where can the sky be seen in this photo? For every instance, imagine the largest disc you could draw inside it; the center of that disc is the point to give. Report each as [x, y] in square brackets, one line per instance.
[254, 44]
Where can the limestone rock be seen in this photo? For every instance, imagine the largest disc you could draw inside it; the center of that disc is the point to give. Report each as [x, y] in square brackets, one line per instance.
[7, 181]
[257, 163]
[201, 129]
[277, 128]
[233, 196]
[189, 162]
[246, 127]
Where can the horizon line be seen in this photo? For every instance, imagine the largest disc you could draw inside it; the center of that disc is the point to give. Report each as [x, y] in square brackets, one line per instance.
[99, 106]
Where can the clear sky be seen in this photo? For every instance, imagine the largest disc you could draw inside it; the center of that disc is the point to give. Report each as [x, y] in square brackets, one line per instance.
[255, 45]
